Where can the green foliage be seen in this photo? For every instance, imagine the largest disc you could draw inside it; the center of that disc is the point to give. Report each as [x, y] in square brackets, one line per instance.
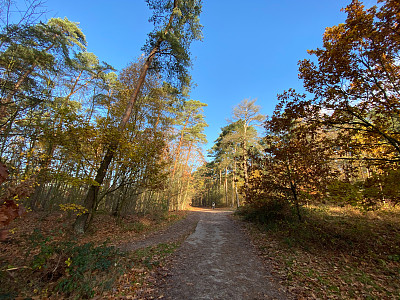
[175, 28]
[46, 247]
[370, 193]
[29, 55]
[215, 196]
[341, 192]
[381, 187]
[77, 271]
[82, 266]
[69, 32]
[231, 158]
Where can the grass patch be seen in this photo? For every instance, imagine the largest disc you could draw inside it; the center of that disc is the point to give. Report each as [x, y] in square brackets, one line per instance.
[337, 252]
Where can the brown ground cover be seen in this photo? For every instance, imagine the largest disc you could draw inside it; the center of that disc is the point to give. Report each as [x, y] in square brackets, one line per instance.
[336, 253]
[42, 256]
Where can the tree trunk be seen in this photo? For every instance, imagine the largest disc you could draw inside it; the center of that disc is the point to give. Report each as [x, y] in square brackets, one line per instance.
[41, 177]
[186, 193]
[293, 188]
[236, 191]
[233, 190]
[178, 149]
[83, 221]
[226, 186]
[220, 180]
[296, 200]
[245, 172]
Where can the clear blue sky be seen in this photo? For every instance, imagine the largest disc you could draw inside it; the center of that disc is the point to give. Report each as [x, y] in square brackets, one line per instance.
[250, 48]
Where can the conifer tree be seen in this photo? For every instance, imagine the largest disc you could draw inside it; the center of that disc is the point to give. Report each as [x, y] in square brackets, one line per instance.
[176, 25]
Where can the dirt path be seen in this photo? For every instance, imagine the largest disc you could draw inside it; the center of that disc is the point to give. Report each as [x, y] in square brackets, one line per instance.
[217, 261]
[173, 233]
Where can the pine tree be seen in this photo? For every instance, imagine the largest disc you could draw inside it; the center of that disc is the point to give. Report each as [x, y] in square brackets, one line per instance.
[167, 51]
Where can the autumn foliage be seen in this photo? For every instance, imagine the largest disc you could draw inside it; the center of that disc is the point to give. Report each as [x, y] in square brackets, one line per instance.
[340, 142]
[79, 136]
[10, 206]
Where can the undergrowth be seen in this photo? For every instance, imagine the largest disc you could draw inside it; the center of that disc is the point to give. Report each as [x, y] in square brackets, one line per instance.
[62, 268]
[336, 252]
[50, 262]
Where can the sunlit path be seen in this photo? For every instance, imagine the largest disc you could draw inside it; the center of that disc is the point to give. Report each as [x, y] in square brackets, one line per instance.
[217, 261]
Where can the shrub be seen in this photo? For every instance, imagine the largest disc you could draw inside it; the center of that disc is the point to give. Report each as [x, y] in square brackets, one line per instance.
[267, 211]
[342, 193]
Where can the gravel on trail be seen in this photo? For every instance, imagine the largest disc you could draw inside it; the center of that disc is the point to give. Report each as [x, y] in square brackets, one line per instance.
[217, 261]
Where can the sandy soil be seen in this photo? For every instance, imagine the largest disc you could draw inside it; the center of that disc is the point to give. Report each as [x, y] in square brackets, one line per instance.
[175, 232]
[217, 261]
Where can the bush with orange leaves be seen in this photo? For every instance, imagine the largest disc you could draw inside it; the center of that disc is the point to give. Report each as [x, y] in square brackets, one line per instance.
[9, 206]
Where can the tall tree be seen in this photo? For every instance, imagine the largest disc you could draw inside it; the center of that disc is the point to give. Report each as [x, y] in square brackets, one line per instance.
[189, 125]
[247, 113]
[296, 152]
[176, 26]
[190, 118]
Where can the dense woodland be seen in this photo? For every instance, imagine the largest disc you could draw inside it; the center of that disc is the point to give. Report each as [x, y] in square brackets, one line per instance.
[76, 135]
[339, 143]
[79, 137]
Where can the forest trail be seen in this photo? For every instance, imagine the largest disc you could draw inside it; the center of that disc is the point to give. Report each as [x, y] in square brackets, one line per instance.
[218, 261]
[175, 232]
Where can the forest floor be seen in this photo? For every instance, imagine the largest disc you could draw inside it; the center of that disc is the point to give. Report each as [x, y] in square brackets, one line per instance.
[335, 253]
[42, 257]
[197, 254]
